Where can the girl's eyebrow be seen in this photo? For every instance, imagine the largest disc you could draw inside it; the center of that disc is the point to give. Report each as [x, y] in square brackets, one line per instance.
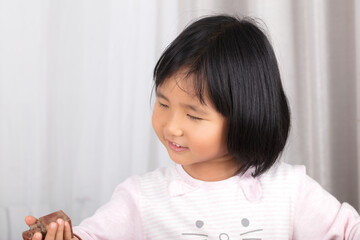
[160, 95]
[189, 106]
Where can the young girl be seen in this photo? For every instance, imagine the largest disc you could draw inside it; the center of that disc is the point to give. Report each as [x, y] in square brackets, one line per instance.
[223, 117]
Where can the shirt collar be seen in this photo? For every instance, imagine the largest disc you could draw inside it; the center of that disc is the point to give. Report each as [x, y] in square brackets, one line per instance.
[184, 183]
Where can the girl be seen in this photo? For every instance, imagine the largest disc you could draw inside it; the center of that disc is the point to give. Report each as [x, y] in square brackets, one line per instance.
[223, 117]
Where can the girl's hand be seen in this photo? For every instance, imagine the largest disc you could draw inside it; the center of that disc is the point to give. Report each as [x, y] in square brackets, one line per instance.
[56, 231]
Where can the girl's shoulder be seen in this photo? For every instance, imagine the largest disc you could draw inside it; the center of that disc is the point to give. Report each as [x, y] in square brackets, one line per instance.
[150, 182]
[282, 170]
[284, 178]
[158, 175]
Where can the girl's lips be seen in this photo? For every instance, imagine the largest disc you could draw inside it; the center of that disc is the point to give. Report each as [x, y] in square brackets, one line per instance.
[176, 148]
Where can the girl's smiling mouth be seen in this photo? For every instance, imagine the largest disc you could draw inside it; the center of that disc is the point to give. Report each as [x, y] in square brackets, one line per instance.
[176, 147]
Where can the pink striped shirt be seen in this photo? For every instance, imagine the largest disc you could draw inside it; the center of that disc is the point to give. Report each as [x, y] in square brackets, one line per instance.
[283, 203]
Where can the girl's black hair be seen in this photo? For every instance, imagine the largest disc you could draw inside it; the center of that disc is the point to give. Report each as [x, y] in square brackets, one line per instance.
[233, 61]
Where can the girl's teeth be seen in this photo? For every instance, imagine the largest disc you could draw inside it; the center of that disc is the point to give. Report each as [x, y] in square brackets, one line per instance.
[176, 144]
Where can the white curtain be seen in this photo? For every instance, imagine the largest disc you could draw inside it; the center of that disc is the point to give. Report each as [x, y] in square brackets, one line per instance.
[76, 81]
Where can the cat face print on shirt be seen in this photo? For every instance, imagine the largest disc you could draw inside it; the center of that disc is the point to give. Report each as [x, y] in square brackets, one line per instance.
[247, 234]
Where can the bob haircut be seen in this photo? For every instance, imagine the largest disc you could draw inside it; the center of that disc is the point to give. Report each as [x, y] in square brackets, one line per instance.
[233, 61]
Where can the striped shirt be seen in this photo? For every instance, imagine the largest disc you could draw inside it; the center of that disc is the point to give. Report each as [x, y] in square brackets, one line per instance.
[283, 203]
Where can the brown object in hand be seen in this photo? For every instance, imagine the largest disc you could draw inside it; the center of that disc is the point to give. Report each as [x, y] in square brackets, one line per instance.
[41, 225]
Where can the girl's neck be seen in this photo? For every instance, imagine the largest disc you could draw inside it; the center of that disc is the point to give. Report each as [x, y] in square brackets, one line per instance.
[212, 171]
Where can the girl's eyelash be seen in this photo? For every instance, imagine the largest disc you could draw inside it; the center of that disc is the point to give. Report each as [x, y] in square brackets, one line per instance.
[163, 105]
[194, 118]
[190, 116]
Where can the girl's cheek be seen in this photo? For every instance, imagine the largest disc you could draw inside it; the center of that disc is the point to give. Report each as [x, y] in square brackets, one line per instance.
[210, 140]
[155, 117]
[155, 124]
[158, 121]
[153, 120]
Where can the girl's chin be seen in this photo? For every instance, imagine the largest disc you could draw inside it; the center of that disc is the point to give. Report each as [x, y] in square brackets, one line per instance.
[180, 159]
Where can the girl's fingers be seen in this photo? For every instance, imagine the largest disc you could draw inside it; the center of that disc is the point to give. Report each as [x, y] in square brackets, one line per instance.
[60, 229]
[37, 236]
[30, 220]
[51, 232]
[67, 231]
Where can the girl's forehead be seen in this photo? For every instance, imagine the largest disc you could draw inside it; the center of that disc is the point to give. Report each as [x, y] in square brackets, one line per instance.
[179, 83]
[187, 82]
[185, 86]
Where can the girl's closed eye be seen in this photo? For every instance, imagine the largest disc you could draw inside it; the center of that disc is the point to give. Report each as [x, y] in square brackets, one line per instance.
[194, 118]
[163, 105]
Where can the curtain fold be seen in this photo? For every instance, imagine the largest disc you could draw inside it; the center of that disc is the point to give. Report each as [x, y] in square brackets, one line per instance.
[75, 95]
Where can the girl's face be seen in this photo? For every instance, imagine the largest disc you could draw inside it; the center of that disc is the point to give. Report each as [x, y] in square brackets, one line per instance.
[193, 133]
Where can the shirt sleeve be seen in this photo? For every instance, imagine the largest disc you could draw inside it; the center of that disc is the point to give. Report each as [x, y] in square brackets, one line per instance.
[118, 219]
[318, 215]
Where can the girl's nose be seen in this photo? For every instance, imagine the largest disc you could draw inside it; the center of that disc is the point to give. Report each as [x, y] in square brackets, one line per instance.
[174, 127]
